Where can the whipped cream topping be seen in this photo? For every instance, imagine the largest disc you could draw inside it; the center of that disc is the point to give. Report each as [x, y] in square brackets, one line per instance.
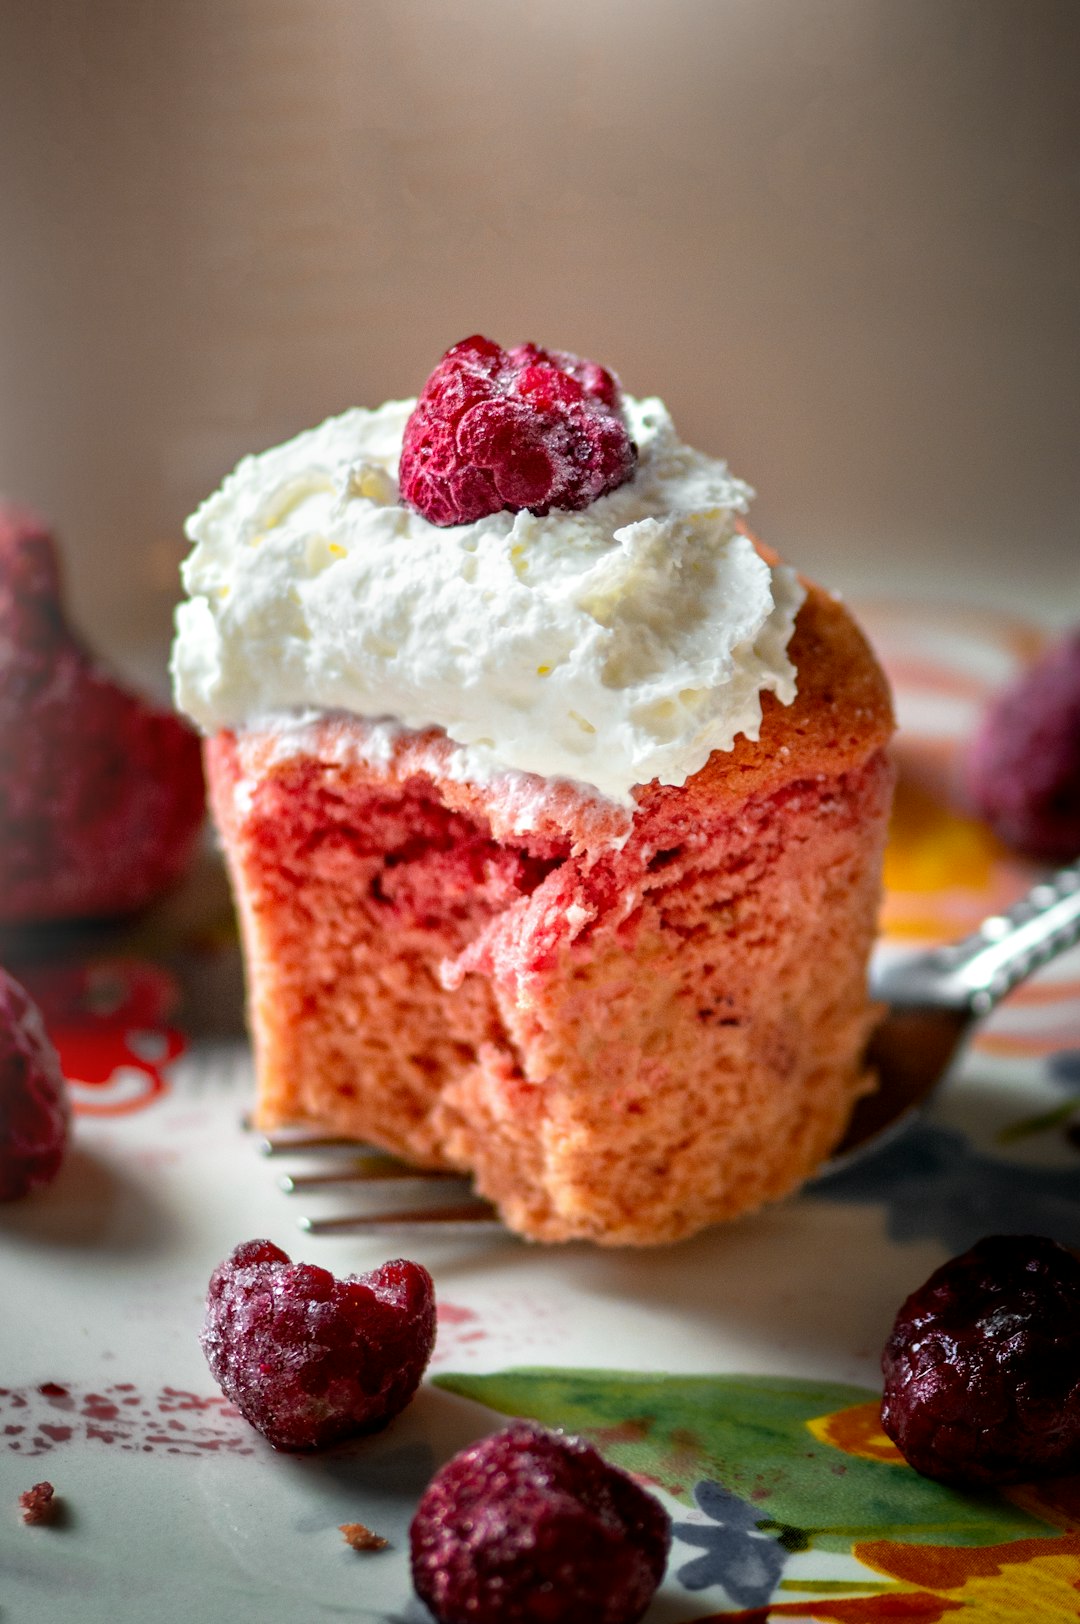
[610, 646]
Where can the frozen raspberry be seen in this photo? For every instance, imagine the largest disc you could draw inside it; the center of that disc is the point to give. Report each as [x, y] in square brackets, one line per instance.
[34, 1111]
[527, 1527]
[982, 1370]
[101, 794]
[502, 429]
[1023, 767]
[310, 1360]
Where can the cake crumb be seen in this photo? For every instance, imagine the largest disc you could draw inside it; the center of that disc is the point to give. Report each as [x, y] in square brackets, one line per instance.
[39, 1504]
[361, 1538]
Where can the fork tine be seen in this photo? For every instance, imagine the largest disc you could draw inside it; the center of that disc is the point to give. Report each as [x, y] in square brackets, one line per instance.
[368, 1170]
[288, 1142]
[472, 1218]
[369, 1164]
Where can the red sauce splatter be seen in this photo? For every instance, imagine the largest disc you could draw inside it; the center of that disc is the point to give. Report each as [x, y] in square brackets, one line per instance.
[171, 1421]
[459, 1327]
[455, 1314]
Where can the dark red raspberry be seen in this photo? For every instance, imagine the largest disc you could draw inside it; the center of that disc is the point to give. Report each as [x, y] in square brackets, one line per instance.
[982, 1370]
[34, 1111]
[499, 429]
[308, 1359]
[101, 794]
[527, 1527]
[1023, 767]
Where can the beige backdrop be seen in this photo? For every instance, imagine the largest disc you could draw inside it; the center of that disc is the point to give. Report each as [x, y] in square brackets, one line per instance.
[841, 237]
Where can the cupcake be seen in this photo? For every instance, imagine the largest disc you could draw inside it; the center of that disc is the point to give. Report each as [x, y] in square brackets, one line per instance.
[553, 802]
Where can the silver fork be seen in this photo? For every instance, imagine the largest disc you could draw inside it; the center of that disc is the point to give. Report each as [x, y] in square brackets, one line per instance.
[934, 999]
[353, 1164]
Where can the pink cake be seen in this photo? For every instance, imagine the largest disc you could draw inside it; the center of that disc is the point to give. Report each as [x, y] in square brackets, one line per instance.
[627, 1019]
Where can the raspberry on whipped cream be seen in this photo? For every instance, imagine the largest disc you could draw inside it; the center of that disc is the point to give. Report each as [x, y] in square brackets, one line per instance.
[524, 428]
[611, 646]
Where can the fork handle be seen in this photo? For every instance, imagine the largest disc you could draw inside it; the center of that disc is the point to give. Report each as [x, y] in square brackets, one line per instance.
[975, 973]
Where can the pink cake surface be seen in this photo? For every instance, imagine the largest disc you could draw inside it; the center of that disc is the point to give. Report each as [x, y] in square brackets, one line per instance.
[626, 1027]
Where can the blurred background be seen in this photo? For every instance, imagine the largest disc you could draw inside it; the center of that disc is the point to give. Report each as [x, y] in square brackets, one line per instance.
[840, 237]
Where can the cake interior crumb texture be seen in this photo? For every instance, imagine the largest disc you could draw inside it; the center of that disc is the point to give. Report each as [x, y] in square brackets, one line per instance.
[625, 1029]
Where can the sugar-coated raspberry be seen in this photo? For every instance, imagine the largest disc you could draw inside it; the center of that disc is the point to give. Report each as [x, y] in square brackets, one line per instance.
[499, 429]
[34, 1111]
[1023, 767]
[308, 1359]
[101, 794]
[528, 1527]
[982, 1370]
